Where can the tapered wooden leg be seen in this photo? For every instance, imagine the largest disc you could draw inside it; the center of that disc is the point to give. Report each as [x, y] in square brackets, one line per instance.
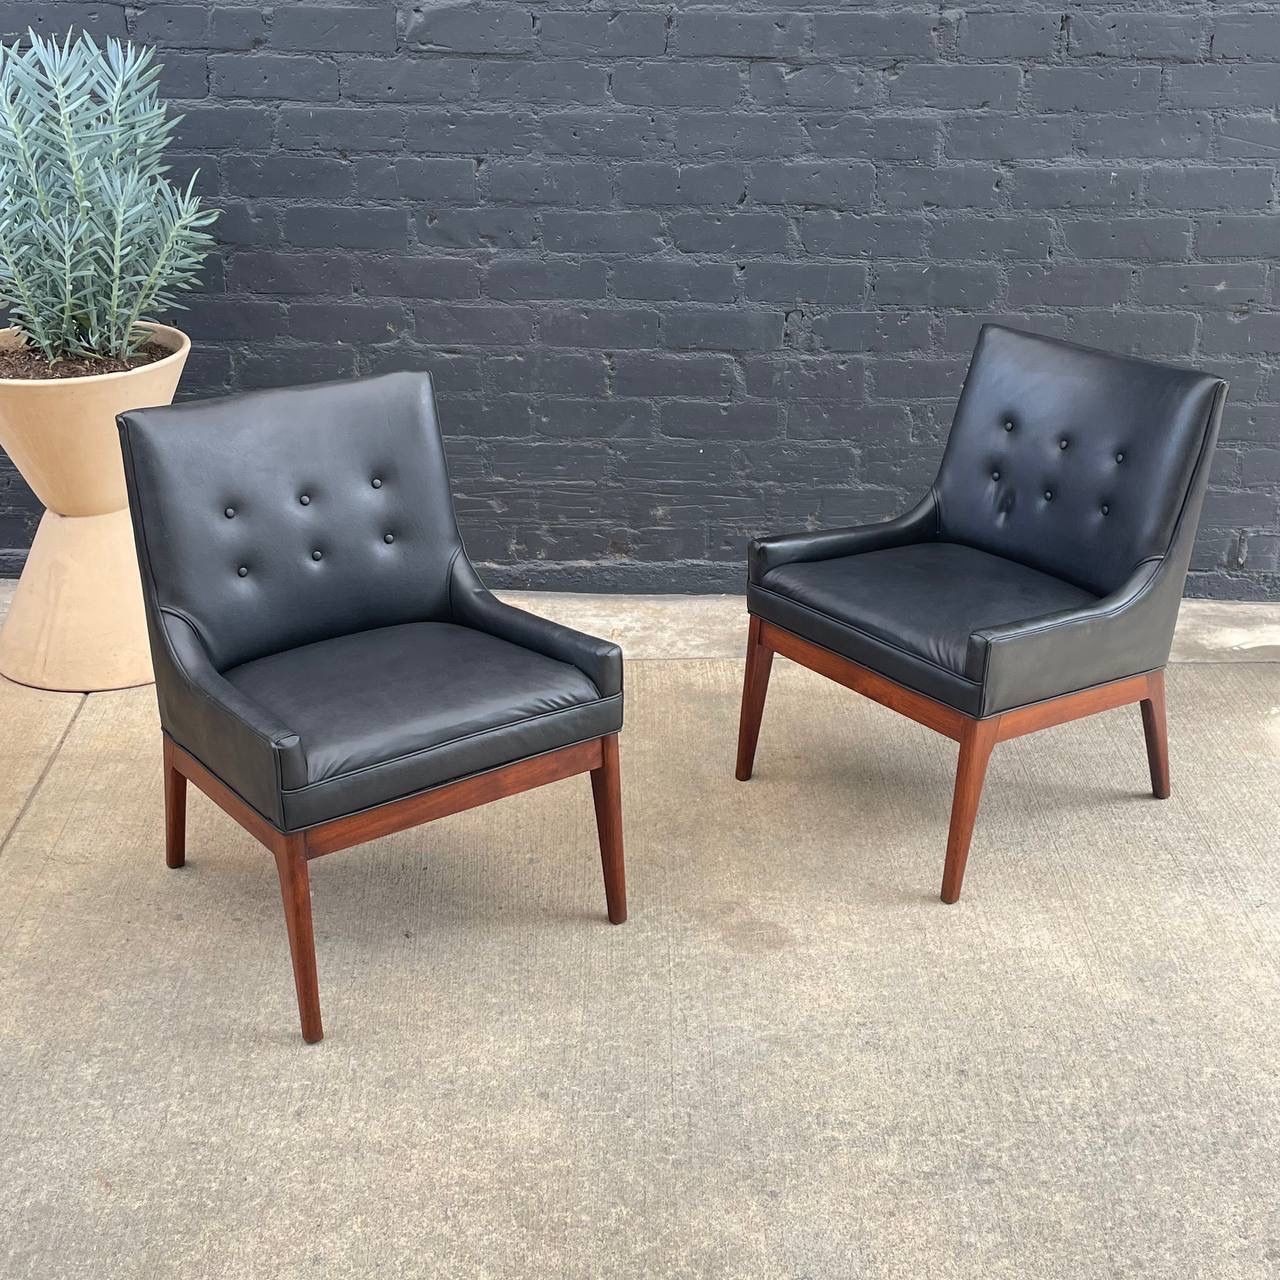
[976, 741]
[1157, 731]
[606, 790]
[755, 684]
[175, 810]
[295, 889]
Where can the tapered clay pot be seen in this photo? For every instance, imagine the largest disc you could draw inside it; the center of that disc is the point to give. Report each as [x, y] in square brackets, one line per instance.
[76, 620]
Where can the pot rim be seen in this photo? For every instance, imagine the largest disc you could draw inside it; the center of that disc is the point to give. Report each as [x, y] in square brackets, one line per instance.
[161, 332]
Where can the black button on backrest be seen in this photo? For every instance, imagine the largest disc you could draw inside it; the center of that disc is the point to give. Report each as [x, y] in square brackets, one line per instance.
[316, 555]
[315, 468]
[1069, 428]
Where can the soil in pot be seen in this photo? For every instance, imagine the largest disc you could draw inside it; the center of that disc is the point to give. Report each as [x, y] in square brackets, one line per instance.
[30, 362]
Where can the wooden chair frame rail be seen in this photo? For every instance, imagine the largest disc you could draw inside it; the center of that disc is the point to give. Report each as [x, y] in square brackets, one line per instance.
[293, 850]
[977, 737]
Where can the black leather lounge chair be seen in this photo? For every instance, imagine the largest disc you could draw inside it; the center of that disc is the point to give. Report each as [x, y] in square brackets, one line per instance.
[328, 666]
[1036, 582]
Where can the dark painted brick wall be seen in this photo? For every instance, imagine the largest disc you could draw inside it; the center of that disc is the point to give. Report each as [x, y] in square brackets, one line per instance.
[687, 272]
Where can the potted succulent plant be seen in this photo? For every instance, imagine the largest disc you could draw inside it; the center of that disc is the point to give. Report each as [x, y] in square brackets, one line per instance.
[94, 241]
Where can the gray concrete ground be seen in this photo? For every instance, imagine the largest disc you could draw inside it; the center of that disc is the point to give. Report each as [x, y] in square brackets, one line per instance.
[791, 1062]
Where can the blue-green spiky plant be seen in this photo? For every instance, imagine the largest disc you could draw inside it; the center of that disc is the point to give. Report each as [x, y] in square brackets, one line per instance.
[93, 236]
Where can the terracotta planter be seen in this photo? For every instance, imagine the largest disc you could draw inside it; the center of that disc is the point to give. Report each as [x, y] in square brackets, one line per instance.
[76, 620]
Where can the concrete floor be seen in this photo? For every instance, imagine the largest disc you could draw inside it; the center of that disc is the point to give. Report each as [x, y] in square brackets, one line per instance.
[792, 1061]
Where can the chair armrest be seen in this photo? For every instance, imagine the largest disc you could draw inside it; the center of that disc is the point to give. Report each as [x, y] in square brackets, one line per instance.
[920, 524]
[1122, 634]
[473, 605]
[228, 732]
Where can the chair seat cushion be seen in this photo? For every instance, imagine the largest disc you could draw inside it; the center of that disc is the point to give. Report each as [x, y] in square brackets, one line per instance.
[385, 713]
[908, 612]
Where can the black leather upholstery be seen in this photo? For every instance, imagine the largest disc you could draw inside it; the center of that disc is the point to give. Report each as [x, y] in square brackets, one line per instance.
[911, 610]
[321, 641]
[413, 706]
[1050, 552]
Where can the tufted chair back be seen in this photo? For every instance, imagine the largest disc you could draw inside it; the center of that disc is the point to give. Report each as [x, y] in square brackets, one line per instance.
[279, 518]
[1069, 460]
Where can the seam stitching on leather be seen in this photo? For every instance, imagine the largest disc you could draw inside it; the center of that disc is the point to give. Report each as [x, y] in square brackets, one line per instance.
[1215, 408]
[210, 699]
[554, 630]
[1107, 615]
[191, 684]
[1053, 697]
[435, 786]
[557, 630]
[439, 746]
[1115, 610]
[888, 644]
[274, 745]
[453, 559]
[929, 497]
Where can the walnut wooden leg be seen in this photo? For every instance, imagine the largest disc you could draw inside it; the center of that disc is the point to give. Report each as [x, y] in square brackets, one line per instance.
[1157, 731]
[606, 790]
[175, 810]
[755, 684]
[295, 889]
[976, 741]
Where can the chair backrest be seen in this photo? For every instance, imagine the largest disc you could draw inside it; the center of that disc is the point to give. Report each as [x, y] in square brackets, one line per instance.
[1070, 460]
[277, 518]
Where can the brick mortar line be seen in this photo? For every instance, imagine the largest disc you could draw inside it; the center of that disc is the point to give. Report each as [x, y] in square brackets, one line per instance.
[904, 349]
